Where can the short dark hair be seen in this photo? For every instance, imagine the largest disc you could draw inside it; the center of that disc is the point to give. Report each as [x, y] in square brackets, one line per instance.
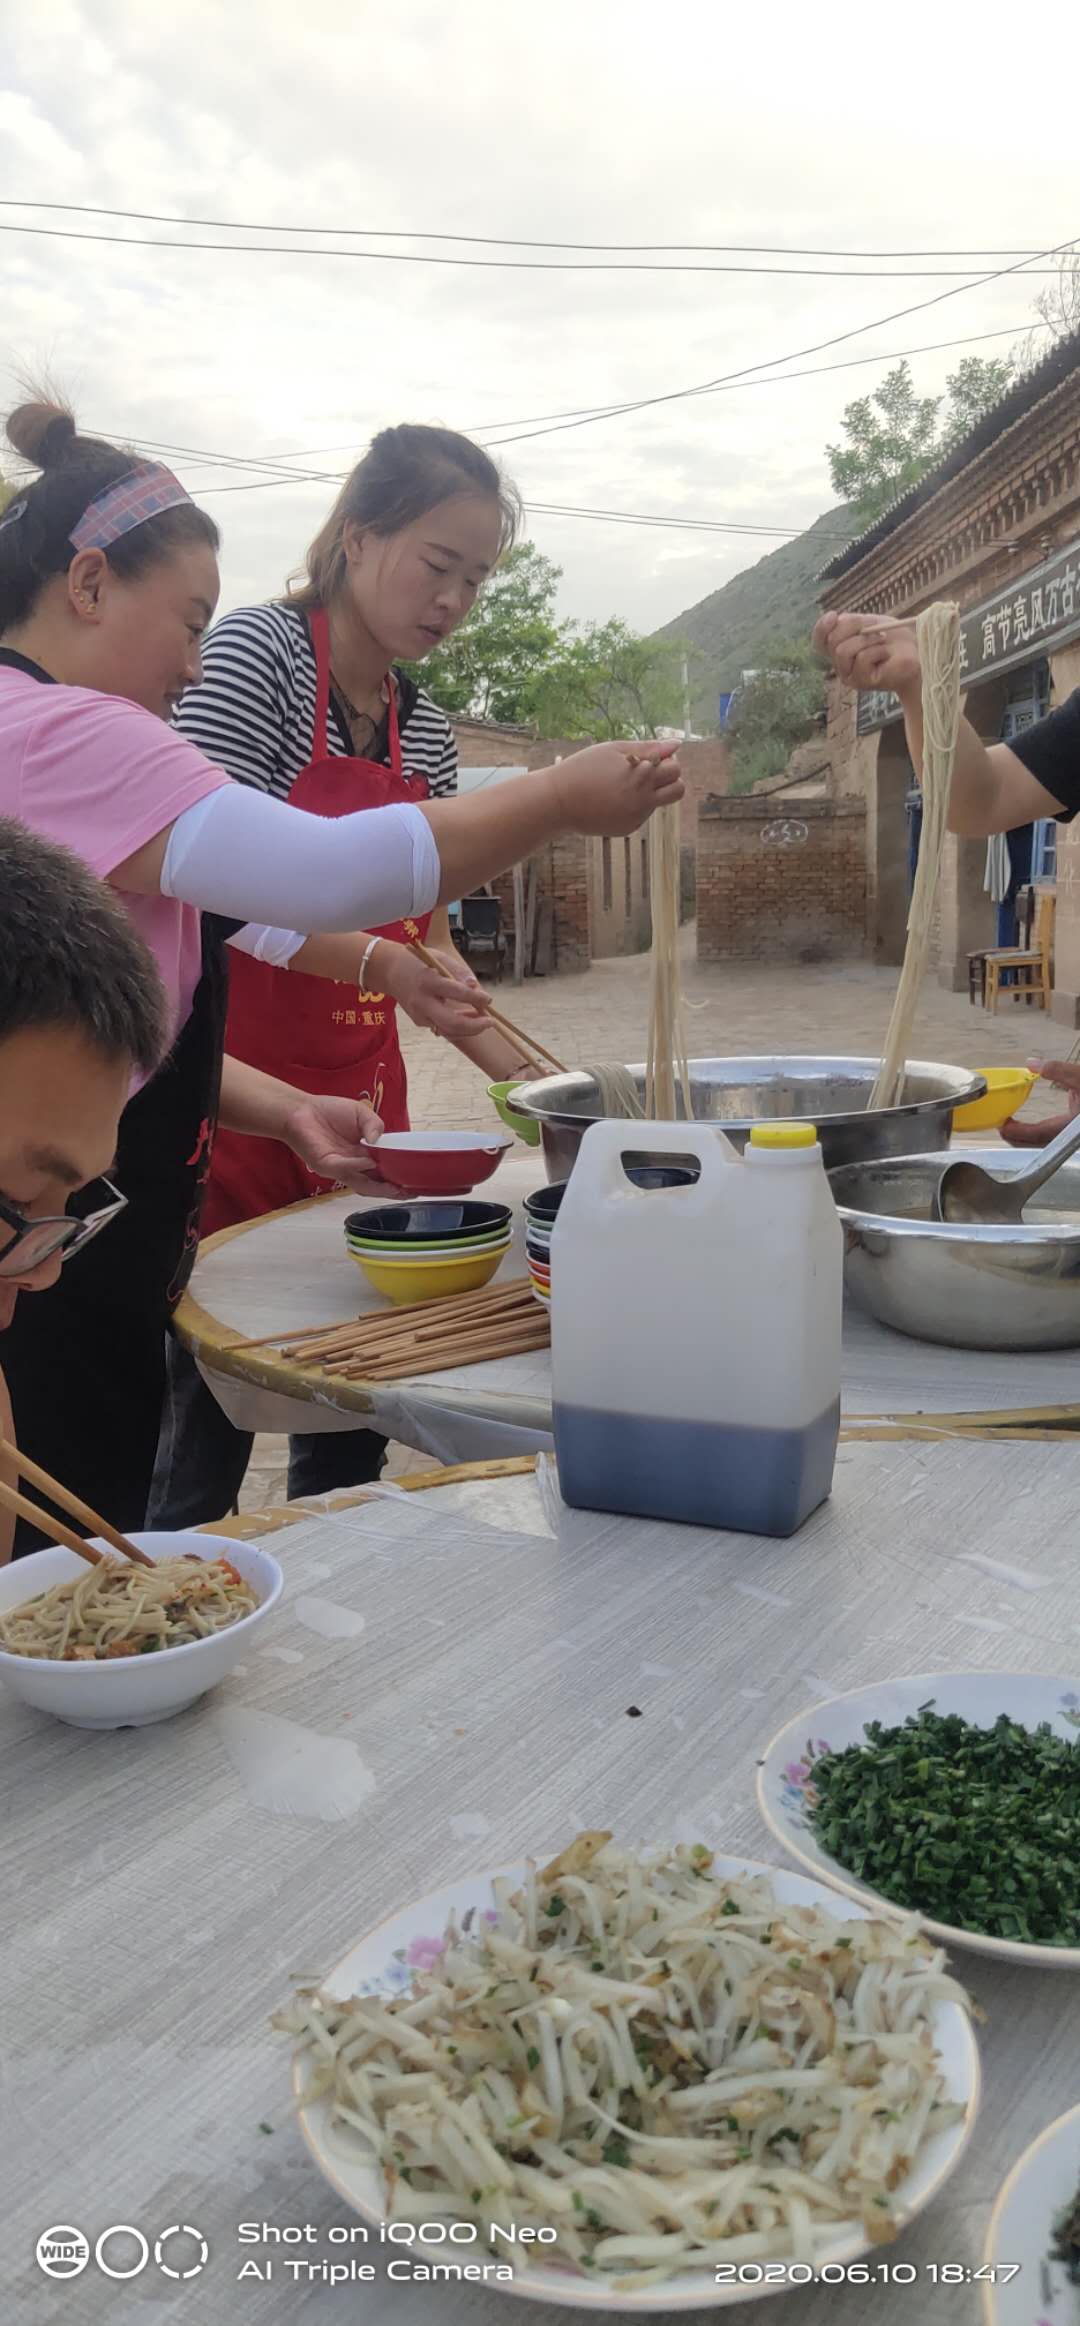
[70, 955]
[405, 472]
[35, 544]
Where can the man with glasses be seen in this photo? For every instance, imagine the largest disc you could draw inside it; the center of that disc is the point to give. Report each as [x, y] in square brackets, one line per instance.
[82, 1015]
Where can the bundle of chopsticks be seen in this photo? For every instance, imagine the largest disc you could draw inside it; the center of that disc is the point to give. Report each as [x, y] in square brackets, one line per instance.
[533, 1054]
[430, 1336]
[22, 1507]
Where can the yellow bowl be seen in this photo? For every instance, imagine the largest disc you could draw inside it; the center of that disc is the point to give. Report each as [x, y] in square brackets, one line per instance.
[406, 1281]
[1007, 1087]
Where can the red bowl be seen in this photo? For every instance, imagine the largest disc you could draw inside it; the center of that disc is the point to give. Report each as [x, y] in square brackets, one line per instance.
[438, 1162]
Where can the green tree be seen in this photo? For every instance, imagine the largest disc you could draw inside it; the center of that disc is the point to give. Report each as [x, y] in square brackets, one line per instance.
[895, 436]
[891, 437]
[607, 681]
[780, 706]
[978, 383]
[491, 667]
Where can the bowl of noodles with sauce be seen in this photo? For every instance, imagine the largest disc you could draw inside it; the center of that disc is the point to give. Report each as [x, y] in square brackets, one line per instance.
[118, 1645]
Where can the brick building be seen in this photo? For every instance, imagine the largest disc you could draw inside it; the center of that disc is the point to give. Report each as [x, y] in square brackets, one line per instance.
[595, 891]
[996, 525]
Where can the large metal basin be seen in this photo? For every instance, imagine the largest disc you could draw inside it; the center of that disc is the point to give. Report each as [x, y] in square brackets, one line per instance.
[971, 1288]
[735, 1093]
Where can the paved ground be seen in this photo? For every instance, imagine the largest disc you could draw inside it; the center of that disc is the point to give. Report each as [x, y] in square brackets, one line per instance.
[746, 1007]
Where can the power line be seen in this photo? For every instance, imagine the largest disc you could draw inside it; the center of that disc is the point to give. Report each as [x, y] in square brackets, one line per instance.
[490, 241]
[281, 474]
[416, 258]
[820, 347]
[559, 509]
[679, 524]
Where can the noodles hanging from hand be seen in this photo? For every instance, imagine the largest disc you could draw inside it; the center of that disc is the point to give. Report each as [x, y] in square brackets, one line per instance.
[117, 1609]
[938, 634]
[667, 1067]
[667, 1059]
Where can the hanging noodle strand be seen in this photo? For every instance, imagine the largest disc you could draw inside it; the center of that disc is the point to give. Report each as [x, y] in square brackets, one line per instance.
[667, 1059]
[938, 634]
[668, 1067]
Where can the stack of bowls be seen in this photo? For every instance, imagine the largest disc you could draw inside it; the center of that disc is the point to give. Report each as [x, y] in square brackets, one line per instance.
[428, 1251]
[540, 1215]
[541, 1212]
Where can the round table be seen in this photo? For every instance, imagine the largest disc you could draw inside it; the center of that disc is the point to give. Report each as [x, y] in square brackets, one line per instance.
[291, 1269]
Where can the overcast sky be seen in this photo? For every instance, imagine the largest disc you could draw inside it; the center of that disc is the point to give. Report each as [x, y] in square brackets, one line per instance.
[614, 121]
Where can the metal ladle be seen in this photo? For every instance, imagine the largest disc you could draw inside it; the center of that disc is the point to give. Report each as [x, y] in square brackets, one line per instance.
[977, 1198]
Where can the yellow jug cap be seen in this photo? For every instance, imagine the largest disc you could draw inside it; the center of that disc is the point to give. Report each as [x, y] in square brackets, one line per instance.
[783, 1135]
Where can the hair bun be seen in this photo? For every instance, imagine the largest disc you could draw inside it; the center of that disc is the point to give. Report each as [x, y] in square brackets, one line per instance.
[41, 433]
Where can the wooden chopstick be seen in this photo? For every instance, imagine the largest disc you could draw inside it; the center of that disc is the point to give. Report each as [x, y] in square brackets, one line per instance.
[53, 1527]
[530, 1048]
[72, 1504]
[492, 1296]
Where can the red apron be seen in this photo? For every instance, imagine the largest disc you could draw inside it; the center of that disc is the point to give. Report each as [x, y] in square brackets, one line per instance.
[313, 1031]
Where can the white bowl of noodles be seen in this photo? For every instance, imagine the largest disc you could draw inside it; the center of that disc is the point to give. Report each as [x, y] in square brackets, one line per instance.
[130, 1689]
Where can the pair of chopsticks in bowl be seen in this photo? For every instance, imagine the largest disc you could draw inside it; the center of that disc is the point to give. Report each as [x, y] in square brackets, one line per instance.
[532, 1051]
[22, 1507]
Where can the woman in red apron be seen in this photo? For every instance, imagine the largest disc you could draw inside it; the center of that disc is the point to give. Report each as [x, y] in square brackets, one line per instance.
[303, 698]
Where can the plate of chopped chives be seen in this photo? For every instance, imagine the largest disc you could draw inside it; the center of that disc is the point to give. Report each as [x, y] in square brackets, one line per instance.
[953, 1796]
[1034, 2234]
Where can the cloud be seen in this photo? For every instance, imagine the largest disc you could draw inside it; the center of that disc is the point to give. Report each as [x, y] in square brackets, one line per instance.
[617, 122]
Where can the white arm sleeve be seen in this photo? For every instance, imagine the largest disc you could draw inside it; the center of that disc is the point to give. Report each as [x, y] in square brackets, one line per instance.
[250, 858]
[274, 945]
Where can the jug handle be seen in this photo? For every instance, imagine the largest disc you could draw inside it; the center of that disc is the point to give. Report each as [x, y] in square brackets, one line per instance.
[600, 1160]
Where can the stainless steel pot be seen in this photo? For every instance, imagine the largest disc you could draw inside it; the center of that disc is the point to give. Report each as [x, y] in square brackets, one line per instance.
[735, 1093]
[969, 1287]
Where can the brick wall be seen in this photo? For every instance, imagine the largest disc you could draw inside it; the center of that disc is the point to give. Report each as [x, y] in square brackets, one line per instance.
[563, 881]
[781, 880]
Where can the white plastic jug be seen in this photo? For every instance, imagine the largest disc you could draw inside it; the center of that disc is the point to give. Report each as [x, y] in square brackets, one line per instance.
[695, 1329]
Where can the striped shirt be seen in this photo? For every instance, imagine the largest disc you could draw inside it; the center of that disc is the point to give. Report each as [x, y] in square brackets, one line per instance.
[254, 711]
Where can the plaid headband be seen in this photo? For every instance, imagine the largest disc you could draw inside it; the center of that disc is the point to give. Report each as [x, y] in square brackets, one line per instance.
[143, 493]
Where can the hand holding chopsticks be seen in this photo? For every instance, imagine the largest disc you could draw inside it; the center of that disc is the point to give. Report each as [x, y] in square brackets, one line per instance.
[532, 1051]
[22, 1507]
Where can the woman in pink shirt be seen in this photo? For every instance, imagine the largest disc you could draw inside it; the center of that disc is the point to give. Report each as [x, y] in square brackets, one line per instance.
[108, 577]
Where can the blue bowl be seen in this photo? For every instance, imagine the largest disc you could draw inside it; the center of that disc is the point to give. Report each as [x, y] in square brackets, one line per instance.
[430, 1221]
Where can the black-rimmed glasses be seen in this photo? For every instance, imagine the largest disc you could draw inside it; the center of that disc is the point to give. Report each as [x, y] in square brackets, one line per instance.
[26, 1244]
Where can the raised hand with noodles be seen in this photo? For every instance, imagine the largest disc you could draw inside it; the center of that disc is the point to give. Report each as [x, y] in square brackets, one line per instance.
[612, 789]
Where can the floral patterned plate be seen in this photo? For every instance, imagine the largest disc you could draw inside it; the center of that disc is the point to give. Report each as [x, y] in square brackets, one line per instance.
[785, 1782]
[1035, 2195]
[383, 1963]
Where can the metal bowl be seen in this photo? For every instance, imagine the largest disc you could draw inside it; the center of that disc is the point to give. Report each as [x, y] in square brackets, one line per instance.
[738, 1092]
[970, 1287]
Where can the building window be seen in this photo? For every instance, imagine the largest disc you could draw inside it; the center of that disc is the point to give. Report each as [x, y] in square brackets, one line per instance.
[605, 873]
[629, 877]
[645, 870]
[1044, 849]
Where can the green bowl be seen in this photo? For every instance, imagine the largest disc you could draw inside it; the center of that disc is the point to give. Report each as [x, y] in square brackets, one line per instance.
[357, 1246]
[522, 1126]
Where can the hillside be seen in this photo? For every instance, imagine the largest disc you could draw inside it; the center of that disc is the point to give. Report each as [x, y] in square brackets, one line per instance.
[776, 598]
